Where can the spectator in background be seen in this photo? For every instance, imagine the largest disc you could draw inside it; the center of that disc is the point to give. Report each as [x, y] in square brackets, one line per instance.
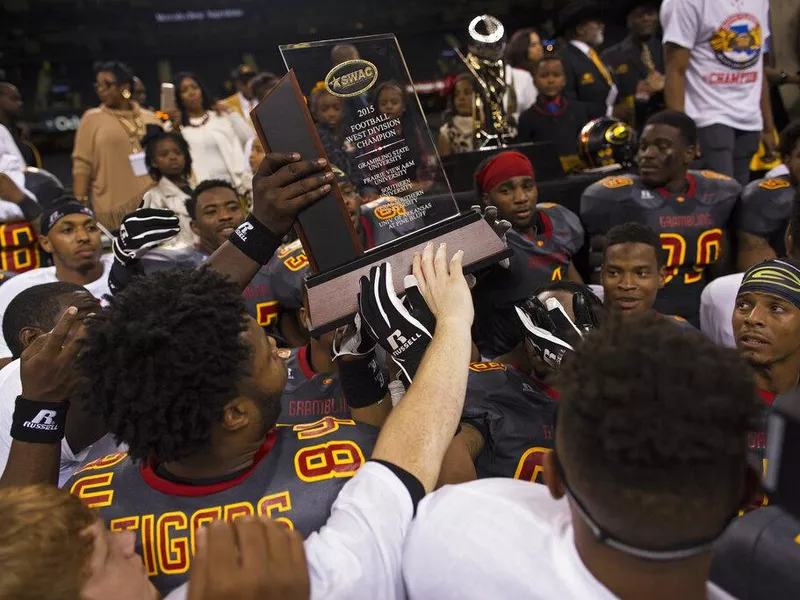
[10, 111]
[329, 115]
[714, 66]
[140, 92]
[458, 132]
[392, 101]
[343, 52]
[637, 62]
[553, 117]
[524, 49]
[243, 100]
[589, 81]
[170, 164]
[108, 166]
[216, 138]
[261, 84]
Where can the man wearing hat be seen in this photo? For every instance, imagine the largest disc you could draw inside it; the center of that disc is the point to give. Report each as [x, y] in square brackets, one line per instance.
[242, 101]
[589, 81]
[70, 234]
[637, 62]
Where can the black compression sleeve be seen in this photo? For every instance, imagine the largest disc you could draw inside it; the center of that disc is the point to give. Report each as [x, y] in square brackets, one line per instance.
[414, 486]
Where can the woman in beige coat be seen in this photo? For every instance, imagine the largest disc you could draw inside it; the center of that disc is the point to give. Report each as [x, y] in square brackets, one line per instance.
[108, 167]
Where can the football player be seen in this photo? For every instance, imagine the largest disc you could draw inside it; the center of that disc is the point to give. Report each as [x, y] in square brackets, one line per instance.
[509, 413]
[633, 270]
[690, 210]
[766, 326]
[719, 298]
[187, 380]
[766, 204]
[544, 237]
[215, 211]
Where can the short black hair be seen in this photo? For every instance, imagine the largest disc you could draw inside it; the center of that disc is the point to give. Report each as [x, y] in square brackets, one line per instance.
[680, 121]
[204, 186]
[122, 72]
[652, 428]
[634, 233]
[261, 82]
[208, 101]
[38, 306]
[548, 56]
[790, 136]
[164, 360]
[150, 144]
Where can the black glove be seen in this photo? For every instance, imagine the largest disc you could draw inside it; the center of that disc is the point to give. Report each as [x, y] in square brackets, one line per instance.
[542, 332]
[550, 330]
[403, 330]
[142, 230]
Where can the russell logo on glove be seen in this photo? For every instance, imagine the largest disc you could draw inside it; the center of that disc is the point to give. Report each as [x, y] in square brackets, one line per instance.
[399, 342]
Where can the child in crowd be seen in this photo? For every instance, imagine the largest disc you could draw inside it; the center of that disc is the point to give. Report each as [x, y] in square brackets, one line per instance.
[329, 115]
[391, 100]
[553, 118]
[167, 157]
[458, 132]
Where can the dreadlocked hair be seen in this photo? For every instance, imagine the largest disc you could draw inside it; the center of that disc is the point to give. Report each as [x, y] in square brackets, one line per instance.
[653, 422]
[164, 360]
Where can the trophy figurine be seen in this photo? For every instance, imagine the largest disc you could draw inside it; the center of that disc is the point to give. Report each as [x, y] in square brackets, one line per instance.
[496, 100]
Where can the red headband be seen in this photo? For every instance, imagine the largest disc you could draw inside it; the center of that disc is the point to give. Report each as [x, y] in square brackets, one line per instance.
[501, 168]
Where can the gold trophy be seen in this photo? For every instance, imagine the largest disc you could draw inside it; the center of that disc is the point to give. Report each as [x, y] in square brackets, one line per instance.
[496, 100]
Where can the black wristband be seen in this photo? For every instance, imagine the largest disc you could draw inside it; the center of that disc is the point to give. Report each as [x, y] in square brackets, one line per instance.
[363, 383]
[256, 240]
[31, 209]
[39, 422]
[414, 486]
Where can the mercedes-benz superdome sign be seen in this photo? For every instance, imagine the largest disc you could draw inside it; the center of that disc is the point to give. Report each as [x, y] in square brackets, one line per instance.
[199, 15]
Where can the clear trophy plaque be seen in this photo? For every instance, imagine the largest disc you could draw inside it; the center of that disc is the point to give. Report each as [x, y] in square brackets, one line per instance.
[363, 114]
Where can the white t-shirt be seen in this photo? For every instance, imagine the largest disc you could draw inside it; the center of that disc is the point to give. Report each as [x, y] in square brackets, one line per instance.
[726, 65]
[716, 309]
[10, 388]
[498, 538]
[9, 290]
[357, 554]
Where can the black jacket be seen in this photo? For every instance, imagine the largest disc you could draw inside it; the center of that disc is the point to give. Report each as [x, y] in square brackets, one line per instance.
[585, 83]
[537, 124]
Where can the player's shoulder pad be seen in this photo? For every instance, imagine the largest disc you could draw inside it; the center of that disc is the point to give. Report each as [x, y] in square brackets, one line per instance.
[567, 227]
[331, 429]
[723, 188]
[292, 256]
[600, 201]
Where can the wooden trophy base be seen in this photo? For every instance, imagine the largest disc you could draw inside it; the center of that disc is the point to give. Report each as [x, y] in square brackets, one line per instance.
[332, 295]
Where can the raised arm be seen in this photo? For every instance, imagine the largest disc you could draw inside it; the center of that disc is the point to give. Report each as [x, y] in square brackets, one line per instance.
[282, 187]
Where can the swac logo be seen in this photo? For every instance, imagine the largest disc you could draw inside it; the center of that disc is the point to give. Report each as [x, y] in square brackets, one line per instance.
[351, 78]
[738, 41]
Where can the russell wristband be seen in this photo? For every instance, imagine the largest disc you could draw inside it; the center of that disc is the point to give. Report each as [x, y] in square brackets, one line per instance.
[363, 383]
[256, 240]
[39, 422]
